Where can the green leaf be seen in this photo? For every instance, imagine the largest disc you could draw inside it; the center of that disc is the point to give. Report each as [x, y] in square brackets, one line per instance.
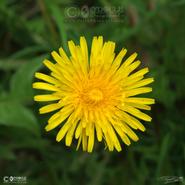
[161, 88]
[16, 115]
[7, 153]
[28, 51]
[21, 82]
[10, 64]
[165, 146]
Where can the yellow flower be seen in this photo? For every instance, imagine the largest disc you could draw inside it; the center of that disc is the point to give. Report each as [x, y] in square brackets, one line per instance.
[94, 95]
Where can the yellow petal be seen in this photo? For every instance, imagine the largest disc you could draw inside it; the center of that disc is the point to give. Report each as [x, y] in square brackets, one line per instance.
[114, 138]
[122, 135]
[78, 131]
[131, 121]
[70, 133]
[141, 72]
[117, 61]
[98, 132]
[129, 132]
[64, 113]
[50, 108]
[46, 97]
[44, 86]
[139, 106]
[72, 49]
[79, 142]
[46, 78]
[51, 66]
[64, 56]
[141, 83]
[109, 141]
[137, 91]
[137, 123]
[63, 131]
[135, 112]
[83, 45]
[84, 140]
[129, 60]
[57, 58]
[91, 139]
[140, 100]
[129, 82]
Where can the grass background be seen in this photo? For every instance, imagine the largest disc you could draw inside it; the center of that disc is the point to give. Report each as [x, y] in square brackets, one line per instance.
[30, 30]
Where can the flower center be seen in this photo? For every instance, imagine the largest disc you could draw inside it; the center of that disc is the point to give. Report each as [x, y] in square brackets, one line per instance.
[95, 95]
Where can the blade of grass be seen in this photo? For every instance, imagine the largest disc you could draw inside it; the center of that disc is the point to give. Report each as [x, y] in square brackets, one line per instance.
[163, 153]
[58, 17]
[48, 21]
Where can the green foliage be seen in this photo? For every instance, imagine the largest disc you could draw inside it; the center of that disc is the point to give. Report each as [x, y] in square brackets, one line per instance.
[15, 115]
[21, 81]
[30, 30]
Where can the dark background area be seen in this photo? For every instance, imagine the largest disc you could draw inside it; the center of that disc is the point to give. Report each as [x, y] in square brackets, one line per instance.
[30, 30]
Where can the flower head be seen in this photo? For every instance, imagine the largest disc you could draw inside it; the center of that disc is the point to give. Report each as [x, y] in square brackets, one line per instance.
[94, 95]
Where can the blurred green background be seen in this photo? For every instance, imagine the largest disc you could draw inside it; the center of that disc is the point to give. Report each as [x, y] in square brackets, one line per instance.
[30, 30]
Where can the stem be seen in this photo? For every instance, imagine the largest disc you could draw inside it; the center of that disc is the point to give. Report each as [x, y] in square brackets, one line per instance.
[48, 21]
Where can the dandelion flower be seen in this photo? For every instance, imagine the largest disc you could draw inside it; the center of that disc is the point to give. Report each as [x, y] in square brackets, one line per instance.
[94, 95]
